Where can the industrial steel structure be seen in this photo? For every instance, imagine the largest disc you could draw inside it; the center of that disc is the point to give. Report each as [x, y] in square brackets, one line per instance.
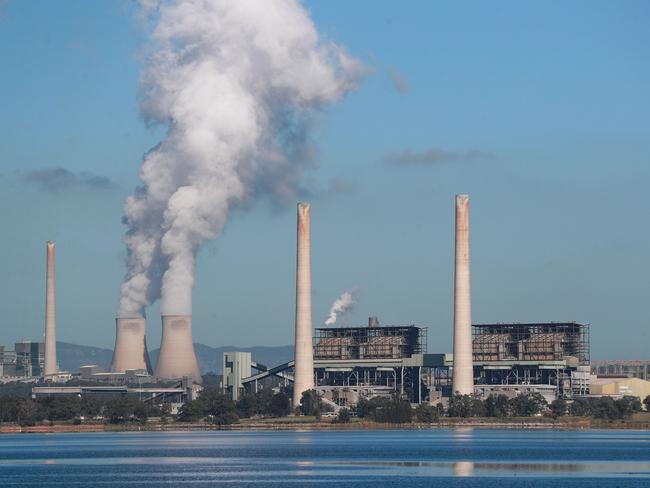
[363, 362]
[388, 342]
[553, 341]
[237, 365]
[627, 368]
[354, 362]
[550, 357]
[179, 392]
[29, 358]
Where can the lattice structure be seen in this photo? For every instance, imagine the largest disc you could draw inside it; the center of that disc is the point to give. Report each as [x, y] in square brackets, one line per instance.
[389, 342]
[531, 342]
[630, 368]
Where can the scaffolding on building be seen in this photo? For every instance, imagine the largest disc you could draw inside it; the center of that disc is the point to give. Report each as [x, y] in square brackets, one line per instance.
[387, 342]
[552, 356]
[531, 342]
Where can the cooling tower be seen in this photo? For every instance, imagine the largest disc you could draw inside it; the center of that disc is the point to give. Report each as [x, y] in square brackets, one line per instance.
[130, 345]
[50, 367]
[177, 358]
[463, 376]
[304, 353]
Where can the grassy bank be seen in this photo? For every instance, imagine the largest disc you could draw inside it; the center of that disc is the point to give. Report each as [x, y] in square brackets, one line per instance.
[640, 421]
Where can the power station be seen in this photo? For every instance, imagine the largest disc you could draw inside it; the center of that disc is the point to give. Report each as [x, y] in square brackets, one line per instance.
[346, 364]
[349, 363]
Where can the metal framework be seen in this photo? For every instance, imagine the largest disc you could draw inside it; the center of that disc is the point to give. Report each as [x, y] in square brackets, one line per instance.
[389, 342]
[531, 342]
[345, 385]
[553, 356]
[630, 368]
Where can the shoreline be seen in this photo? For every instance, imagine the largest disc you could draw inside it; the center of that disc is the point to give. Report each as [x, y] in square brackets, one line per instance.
[297, 425]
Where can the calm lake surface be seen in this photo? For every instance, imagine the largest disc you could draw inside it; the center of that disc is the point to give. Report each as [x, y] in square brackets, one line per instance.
[402, 458]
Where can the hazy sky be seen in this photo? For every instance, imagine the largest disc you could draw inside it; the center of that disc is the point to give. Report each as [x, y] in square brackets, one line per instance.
[540, 111]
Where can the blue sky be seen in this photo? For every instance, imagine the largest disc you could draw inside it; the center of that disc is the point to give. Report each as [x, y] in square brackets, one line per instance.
[540, 111]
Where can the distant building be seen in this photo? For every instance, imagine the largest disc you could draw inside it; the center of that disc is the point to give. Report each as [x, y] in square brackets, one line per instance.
[30, 358]
[631, 369]
[86, 372]
[620, 387]
[236, 367]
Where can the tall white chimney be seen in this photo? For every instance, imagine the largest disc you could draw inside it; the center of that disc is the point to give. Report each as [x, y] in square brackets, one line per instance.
[176, 358]
[463, 375]
[130, 345]
[304, 353]
[50, 314]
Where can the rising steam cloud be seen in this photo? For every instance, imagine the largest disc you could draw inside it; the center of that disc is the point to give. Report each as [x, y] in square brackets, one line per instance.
[342, 304]
[237, 84]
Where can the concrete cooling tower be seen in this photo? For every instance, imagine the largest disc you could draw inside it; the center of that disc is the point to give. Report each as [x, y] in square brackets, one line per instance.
[177, 358]
[304, 353]
[130, 345]
[463, 375]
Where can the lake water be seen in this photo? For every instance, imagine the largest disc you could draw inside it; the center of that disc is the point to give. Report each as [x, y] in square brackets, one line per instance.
[462, 457]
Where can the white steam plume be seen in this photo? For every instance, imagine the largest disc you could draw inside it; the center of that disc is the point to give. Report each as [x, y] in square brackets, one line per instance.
[237, 83]
[342, 304]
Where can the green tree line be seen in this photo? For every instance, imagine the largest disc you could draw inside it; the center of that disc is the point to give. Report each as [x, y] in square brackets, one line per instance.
[215, 407]
[27, 411]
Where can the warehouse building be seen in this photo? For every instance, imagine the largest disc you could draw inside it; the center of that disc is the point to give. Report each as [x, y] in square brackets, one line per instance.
[620, 387]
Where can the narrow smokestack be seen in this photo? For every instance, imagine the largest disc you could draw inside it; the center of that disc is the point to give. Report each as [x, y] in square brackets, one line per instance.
[304, 354]
[176, 358]
[130, 345]
[463, 377]
[50, 314]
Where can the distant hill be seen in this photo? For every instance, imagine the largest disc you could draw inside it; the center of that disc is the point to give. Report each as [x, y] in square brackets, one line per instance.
[72, 356]
[211, 358]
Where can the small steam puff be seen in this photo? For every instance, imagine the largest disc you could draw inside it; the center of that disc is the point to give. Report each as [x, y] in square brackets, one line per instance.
[342, 304]
[237, 84]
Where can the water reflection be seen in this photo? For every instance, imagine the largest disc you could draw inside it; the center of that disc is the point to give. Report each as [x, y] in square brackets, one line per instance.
[472, 456]
[462, 434]
[463, 468]
[471, 468]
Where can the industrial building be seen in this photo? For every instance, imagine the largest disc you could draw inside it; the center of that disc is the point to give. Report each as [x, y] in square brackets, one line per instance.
[626, 368]
[30, 358]
[354, 362]
[366, 361]
[236, 366]
[552, 358]
[178, 393]
[620, 387]
[25, 361]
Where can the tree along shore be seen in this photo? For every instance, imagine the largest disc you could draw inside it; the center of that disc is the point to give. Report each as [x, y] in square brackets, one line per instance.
[267, 409]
